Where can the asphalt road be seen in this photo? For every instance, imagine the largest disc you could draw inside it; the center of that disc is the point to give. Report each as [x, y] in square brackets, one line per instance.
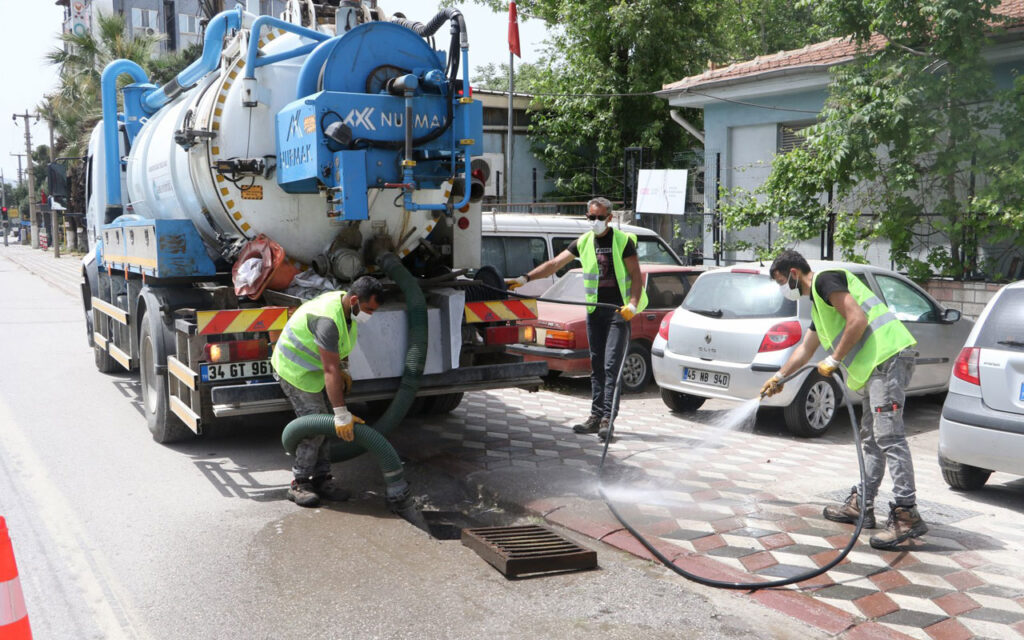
[116, 536]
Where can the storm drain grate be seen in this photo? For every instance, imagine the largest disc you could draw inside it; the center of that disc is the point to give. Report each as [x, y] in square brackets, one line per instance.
[518, 551]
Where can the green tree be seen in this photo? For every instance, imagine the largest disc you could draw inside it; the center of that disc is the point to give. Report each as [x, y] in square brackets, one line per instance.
[749, 28]
[495, 77]
[916, 140]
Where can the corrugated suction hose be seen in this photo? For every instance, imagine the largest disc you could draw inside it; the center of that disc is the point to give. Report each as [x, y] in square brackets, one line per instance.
[372, 437]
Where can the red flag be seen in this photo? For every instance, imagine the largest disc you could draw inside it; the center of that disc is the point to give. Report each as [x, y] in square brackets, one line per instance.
[513, 30]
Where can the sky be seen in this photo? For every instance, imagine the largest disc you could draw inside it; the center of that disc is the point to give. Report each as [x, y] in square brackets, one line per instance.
[25, 75]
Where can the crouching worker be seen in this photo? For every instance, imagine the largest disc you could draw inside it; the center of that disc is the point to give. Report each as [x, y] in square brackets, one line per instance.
[307, 362]
[858, 330]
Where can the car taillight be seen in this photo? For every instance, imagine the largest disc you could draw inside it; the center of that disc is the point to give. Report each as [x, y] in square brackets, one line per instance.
[528, 334]
[781, 336]
[560, 339]
[237, 350]
[966, 365]
[663, 327]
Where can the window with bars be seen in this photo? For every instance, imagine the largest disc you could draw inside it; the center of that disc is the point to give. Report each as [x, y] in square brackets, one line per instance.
[790, 136]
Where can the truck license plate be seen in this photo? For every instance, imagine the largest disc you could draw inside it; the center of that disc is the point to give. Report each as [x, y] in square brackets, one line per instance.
[700, 376]
[231, 370]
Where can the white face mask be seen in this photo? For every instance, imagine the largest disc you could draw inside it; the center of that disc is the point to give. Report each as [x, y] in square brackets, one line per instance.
[791, 289]
[359, 316]
[598, 226]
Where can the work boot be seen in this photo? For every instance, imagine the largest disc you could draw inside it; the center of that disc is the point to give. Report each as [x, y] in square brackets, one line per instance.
[590, 425]
[327, 488]
[301, 493]
[849, 511]
[602, 429]
[903, 523]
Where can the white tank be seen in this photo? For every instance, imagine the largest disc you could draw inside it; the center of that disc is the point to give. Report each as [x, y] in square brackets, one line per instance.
[166, 181]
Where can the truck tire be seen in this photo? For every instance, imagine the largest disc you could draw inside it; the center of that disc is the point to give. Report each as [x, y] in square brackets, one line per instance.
[680, 402]
[104, 363]
[442, 404]
[163, 424]
[815, 407]
[636, 370]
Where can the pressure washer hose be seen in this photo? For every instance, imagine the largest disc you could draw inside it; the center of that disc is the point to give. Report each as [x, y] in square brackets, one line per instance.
[720, 584]
[372, 438]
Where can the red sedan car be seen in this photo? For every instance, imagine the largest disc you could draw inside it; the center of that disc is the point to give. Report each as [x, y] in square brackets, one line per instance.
[559, 334]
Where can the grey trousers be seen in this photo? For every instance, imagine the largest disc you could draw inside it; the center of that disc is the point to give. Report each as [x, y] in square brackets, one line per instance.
[883, 435]
[312, 455]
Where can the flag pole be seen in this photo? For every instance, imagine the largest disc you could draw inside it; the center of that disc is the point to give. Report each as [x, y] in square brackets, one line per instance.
[511, 139]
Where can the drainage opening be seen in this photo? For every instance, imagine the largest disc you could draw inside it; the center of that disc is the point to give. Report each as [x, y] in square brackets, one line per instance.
[526, 550]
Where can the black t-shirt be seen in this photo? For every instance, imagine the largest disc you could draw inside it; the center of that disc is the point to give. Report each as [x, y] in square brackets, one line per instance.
[607, 285]
[828, 282]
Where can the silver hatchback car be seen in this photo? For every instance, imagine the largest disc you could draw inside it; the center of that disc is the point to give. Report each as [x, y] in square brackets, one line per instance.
[981, 429]
[734, 330]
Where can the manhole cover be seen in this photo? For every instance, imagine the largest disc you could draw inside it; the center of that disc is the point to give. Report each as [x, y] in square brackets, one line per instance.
[530, 549]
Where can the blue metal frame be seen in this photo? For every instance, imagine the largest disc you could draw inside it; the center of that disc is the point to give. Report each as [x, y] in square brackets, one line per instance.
[252, 61]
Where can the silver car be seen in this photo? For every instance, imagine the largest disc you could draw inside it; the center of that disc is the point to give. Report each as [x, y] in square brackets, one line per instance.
[982, 425]
[734, 330]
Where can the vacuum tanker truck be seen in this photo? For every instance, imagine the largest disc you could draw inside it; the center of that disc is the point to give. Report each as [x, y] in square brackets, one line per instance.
[314, 142]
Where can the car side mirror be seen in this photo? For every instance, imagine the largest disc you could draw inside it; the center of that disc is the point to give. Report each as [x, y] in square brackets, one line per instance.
[951, 315]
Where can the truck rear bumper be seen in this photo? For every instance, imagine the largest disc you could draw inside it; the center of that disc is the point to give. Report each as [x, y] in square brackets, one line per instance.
[267, 397]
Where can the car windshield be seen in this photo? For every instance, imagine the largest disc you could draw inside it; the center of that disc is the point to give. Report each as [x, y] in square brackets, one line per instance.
[1003, 328]
[654, 251]
[730, 294]
[569, 288]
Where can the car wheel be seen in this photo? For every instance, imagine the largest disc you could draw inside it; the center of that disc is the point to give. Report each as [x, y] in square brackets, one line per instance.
[815, 407]
[636, 370]
[681, 402]
[963, 477]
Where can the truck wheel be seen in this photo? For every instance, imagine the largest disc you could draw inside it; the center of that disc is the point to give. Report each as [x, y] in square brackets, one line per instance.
[636, 370]
[681, 402]
[815, 407]
[162, 423]
[963, 477]
[444, 403]
[104, 363]
[87, 304]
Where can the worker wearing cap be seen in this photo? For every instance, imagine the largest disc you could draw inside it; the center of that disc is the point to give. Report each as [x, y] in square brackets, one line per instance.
[611, 275]
[307, 362]
[875, 348]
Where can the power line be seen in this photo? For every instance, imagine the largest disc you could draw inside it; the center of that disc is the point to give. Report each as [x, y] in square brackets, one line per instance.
[656, 95]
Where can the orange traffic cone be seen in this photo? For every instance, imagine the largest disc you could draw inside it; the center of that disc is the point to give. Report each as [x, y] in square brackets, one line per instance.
[13, 615]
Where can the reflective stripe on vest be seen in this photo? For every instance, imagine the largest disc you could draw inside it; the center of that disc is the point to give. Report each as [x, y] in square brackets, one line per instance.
[591, 277]
[884, 336]
[296, 358]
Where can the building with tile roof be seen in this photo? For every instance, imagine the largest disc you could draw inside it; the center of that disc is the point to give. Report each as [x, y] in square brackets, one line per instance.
[755, 109]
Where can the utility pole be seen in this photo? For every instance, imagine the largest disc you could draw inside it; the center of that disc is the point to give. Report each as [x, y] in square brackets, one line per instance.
[21, 182]
[31, 178]
[54, 212]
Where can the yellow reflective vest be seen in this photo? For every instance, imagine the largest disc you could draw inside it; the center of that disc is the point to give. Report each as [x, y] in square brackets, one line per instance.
[591, 275]
[296, 357]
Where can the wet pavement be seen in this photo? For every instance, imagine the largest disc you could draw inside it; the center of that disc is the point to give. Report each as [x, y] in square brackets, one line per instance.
[730, 504]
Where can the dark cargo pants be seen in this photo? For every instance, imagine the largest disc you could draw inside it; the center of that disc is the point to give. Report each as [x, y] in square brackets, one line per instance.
[608, 334]
[312, 455]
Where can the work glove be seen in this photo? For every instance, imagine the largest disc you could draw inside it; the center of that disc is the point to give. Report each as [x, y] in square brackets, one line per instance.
[828, 366]
[346, 381]
[627, 311]
[515, 283]
[345, 423]
[773, 386]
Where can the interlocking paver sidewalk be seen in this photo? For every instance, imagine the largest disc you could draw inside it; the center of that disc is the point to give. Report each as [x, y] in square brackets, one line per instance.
[740, 506]
[63, 272]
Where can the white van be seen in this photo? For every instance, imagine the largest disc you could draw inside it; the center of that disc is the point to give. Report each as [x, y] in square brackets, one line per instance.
[515, 243]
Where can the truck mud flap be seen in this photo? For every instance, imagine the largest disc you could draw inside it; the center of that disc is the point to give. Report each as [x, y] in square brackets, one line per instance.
[263, 397]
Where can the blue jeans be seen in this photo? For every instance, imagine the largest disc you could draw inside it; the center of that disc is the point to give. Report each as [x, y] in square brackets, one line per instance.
[608, 334]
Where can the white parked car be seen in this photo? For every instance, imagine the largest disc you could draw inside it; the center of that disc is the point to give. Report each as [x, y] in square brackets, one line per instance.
[734, 330]
[982, 425]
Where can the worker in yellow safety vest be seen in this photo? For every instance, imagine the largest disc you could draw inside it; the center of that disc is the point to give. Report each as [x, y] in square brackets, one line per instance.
[611, 275]
[863, 335]
[307, 362]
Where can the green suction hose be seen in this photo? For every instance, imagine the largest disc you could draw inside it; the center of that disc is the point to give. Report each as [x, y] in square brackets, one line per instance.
[372, 438]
